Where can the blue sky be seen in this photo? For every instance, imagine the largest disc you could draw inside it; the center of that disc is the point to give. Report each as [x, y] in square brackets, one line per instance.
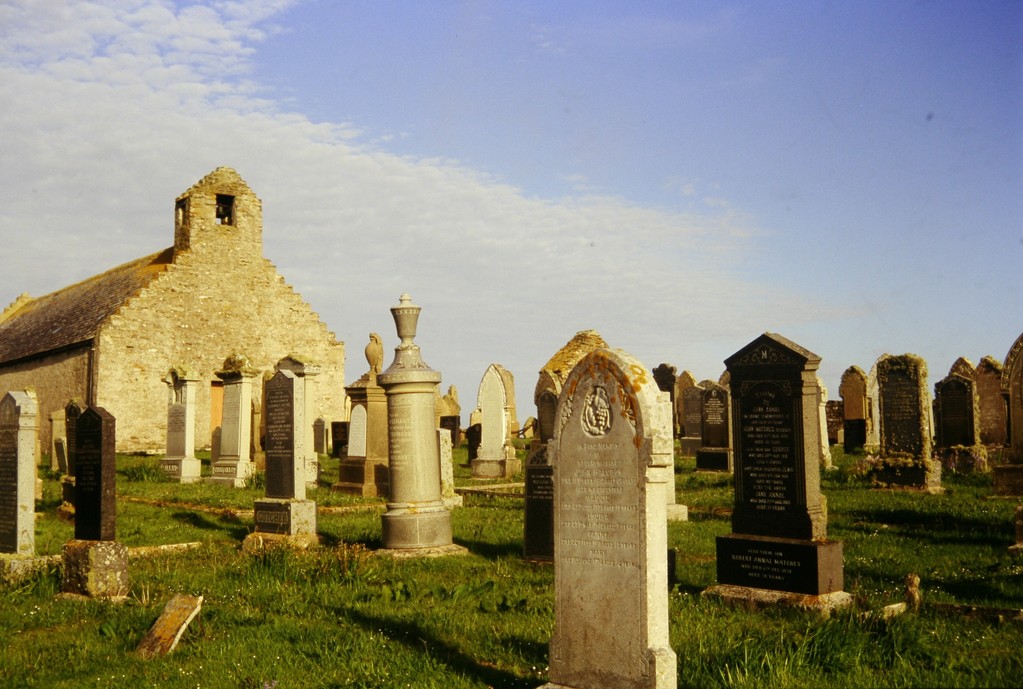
[678, 176]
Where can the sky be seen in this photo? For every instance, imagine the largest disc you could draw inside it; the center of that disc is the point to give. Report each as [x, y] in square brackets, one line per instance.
[679, 176]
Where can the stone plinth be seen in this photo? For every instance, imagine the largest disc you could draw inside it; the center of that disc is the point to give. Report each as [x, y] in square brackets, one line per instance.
[95, 568]
[416, 517]
[363, 471]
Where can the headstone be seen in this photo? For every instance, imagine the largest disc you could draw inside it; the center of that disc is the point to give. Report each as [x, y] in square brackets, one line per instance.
[692, 420]
[1008, 477]
[665, 376]
[873, 443]
[285, 512]
[180, 461]
[990, 403]
[612, 454]
[164, 635]
[320, 442]
[715, 453]
[364, 470]
[779, 525]
[538, 540]
[233, 466]
[905, 434]
[339, 439]
[957, 432]
[835, 418]
[94, 563]
[416, 521]
[473, 437]
[306, 373]
[447, 470]
[684, 381]
[495, 457]
[853, 390]
[451, 425]
[19, 433]
[822, 426]
[58, 429]
[67, 483]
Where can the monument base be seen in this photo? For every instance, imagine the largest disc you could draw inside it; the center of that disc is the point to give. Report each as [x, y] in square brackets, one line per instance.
[754, 598]
[95, 568]
[713, 460]
[258, 541]
[495, 468]
[1008, 479]
[14, 568]
[435, 551]
[285, 517]
[312, 471]
[182, 469]
[786, 565]
[923, 474]
[231, 473]
[361, 476]
[419, 525]
[452, 501]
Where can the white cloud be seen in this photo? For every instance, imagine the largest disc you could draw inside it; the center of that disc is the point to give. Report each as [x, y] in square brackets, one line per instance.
[117, 112]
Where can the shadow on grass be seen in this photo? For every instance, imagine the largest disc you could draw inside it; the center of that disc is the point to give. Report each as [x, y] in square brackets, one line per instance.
[416, 638]
[936, 528]
[235, 530]
[491, 551]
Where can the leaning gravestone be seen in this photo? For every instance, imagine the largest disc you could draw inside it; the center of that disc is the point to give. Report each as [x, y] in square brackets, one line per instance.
[612, 455]
[715, 453]
[19, 433]
[778, 545]
[284, 514]
[905, 434]
[94, 563]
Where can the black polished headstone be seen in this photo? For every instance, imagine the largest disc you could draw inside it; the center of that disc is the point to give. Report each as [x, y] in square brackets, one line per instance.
[95, 476]
[539, 514]
[280, 436]
[338, 438]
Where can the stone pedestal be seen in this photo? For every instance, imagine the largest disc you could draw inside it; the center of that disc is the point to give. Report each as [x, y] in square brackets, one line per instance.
[233, 465]
[416, 517]
[95, 568]
[179, 461]
[364, 470]
[283, 521]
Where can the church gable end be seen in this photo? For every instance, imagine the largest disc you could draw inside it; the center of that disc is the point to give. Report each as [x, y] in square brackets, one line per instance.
[219, 211]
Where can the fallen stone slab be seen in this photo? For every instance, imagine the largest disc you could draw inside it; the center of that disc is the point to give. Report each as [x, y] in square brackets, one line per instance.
[163, 637]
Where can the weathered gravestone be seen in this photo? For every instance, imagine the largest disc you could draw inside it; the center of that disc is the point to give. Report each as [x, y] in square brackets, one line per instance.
[692, 420]
[180, 461]
[447, 470]
[306, 373]
[66, 511]
[853, 390]
[452, 424]
[364, 470]
[320, 440]
[284, 514]
[95, 564]
[1008, 477]
[835, 418]
[58, 429]
[715, 453]
[779, 538]
[684, 381]
[233, 465]
[19, 433]
[990, 403]
[163, 637]
[905, 435]
[822, 427]
[957, 432]
[495, 457]
[612, 454]
[416, 521]
[873, 443]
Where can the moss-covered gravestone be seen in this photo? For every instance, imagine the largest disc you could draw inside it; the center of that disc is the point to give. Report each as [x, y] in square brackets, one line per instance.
[906, 452]
[1009, 476]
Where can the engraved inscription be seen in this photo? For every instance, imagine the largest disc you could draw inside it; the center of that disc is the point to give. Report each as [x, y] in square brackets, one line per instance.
[768, 461]
[8, 491]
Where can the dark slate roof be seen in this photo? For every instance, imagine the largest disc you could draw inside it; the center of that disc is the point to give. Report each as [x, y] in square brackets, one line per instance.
[73, 315]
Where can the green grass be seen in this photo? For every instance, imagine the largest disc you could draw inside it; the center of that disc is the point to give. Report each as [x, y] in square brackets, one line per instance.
[341, 616]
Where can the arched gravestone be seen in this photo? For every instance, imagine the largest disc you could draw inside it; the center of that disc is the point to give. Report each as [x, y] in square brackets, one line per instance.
[612, 456]
[990, 403]
[495, 457]
[853, 391]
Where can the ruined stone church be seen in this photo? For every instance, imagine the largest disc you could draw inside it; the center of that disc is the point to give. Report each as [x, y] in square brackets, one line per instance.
[110, 340]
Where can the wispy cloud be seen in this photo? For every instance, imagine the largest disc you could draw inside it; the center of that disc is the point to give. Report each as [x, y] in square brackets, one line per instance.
[118, 111]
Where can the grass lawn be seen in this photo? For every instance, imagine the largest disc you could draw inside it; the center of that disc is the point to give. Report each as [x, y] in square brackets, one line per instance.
[341, 616]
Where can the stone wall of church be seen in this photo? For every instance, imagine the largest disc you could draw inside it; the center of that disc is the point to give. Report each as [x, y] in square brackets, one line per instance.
[206, 307]
[56, 379]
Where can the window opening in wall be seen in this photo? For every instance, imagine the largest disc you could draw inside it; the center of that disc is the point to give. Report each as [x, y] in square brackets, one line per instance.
[180, 211]
[225, 209]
